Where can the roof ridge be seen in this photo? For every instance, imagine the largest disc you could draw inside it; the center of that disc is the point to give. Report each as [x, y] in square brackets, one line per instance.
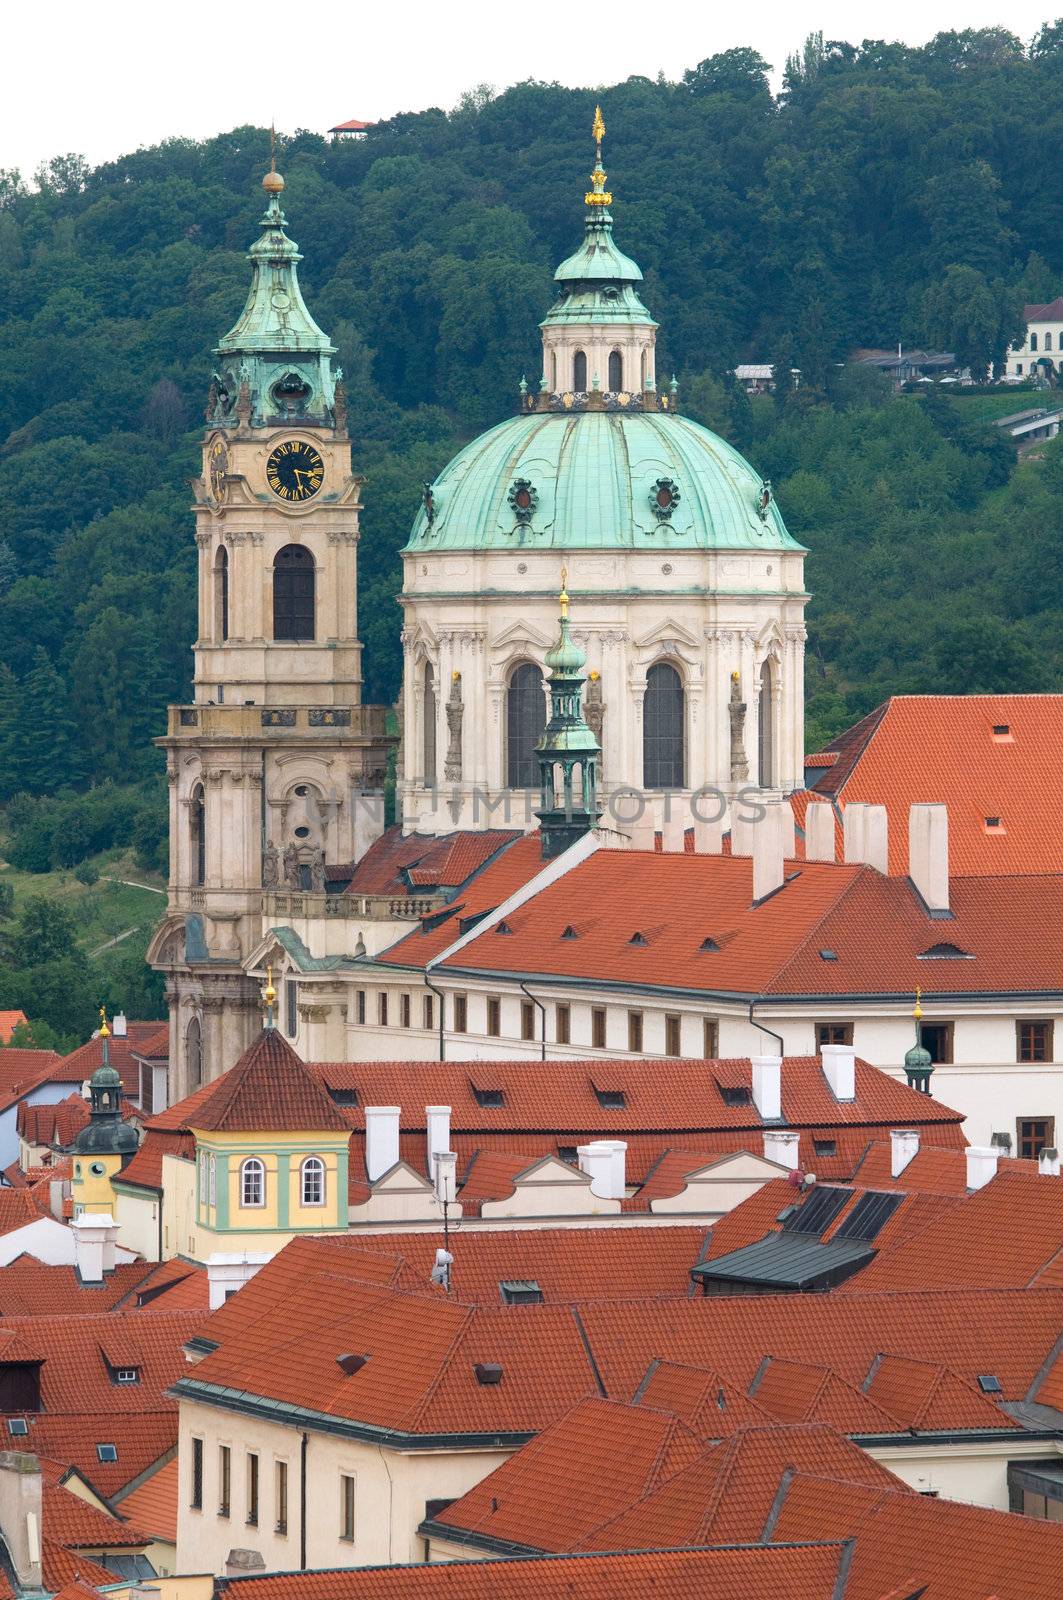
[468, 1315]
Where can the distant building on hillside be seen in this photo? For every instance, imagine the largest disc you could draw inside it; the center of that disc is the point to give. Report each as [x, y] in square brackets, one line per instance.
[353, 128]
[1042, 349]
[906, 366]
[758, 377]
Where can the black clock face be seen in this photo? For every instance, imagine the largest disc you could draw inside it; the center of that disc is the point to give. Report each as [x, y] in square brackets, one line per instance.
[294, 470]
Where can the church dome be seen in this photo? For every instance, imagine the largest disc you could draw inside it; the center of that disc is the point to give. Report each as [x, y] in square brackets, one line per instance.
[599, 480]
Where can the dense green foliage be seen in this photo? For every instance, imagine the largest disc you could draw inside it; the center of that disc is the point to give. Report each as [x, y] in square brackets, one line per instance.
[888, 193]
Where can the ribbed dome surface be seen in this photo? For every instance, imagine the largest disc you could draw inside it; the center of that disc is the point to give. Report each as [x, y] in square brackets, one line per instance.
[594, 479]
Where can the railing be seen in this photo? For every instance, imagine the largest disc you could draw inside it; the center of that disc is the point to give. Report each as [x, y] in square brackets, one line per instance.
[247, 722]
[373, 907]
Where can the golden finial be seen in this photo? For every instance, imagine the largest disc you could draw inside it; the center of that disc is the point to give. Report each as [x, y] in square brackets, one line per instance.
[269, 993]
[918, 1012]
[105, 1032]
[563, 597]
[598, 195]
[273, 183]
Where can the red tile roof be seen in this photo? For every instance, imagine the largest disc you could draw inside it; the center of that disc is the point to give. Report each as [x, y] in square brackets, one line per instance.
[22, 1070]
[942, 748]
[144, 1170]
[762, 1572]
[399, 863]
[154, 1046]
[17, 1208]
[82, 1062]
[29, 1288]
[175, 1285]
[502, 877]
[153, 1503]
[69, 1520]
[9, 1021]
[1051, 311]
[270, 1089]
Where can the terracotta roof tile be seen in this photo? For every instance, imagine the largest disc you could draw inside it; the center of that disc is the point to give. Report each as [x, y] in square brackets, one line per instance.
[397, 861]
[22, 1070]
[17, 1208]
[709, 1405]
[9, 1021]
[270, 1089]
[71, 1570]
[82, 1062]
[74, 1522]
[153, 1503]
[30, 1288]
[144, 1170]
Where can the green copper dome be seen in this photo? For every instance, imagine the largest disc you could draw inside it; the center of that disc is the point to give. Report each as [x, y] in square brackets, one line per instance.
[599, 480]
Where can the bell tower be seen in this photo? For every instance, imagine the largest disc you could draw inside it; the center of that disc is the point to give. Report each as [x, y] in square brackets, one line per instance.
[276, 770]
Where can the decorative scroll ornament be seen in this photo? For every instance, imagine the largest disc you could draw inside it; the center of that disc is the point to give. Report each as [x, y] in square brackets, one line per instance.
[664, 497]
[523, 498]
[765, 500]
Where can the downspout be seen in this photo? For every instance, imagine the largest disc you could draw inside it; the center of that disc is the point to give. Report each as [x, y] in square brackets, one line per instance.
[542, 1017]
[302, 1502]
[754, 1024]
[442, 1018]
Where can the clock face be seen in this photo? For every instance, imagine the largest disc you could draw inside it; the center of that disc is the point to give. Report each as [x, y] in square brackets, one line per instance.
[219, 466]
[294, 470]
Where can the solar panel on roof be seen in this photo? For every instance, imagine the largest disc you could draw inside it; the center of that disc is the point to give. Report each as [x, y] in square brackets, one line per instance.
[818, 1211]
[868, 1215]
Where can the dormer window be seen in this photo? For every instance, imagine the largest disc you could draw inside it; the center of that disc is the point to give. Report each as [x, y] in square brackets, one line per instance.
[708, 944]
[638, 938]
[610, 1099]
[945, 952]
[490, 1099]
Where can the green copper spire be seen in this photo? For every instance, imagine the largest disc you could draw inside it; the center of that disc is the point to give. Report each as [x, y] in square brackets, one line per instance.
[275, 364]
[568, 753]
[107, 1133]
[917, 1063]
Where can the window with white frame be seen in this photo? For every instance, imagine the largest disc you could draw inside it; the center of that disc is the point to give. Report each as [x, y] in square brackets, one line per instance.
[212, 1181]
[313, 1185]
[202, 1178]
[252, 1182]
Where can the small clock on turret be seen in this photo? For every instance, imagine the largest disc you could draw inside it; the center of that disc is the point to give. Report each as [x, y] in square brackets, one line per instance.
[295, 470]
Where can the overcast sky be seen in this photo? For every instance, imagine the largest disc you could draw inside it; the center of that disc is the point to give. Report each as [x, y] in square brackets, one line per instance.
[103, 78]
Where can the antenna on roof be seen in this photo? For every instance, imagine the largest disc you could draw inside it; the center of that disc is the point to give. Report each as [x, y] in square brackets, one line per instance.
[446, 1187]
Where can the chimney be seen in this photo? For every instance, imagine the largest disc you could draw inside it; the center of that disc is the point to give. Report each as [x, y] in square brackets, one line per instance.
[619, 1167]
[674, 834]
[597, 1161]
[904, 1147]
[928, 854]
[876, 839]
[782, 1145]
[20, 1515]
[981, 1165]
[445, 1178]
[854, 830]
[119, 1026]
[784, 811]
[767, 853]
[228, 1273]
[437, 1120]
[1048, 1162]
[742, 829]
[95, 1235]
[708, 837]
[644, 834]
[381, 1140]
[767, 1086]
[819, 832]
[839, 1069]
[242, 1563]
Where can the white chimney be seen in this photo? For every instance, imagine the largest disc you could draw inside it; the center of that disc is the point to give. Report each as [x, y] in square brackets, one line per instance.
[597, 1161]
[95, 1234]
[437, 1120]
[854, 830]
[742, 830]
[1048, 1162]
[674, 835]
[227, 1273]
[876, 839]
[819, 831]
[928, 854]
[119, 1026]
[839, 1069]
[981, 1165]
[381, 1140]
[784, 812]
[644, 833]
[767, 1086]
[619, 1167]
[767, 854]
[446, 1177]
[904, 1147]
[783, 1146]
[708, 837]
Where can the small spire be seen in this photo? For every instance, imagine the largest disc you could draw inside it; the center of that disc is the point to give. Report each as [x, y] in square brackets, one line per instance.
[273, 183]
[918, 1012]
[269, 995]
[563, 597]
[597, 196]
[105, 1035]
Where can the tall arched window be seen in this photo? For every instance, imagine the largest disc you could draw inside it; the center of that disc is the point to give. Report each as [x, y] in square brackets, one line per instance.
[642, 370]
[197, 828]
[1048, 341]
[1033, 341]
[553, 370]
[663, 729]
[765, 731]
[221, 594]
[252, 1182]
[525, 721]
[194, 1053]
[212, 1184]
[579, 372]
[616, 371]
[430, 714]
[312, 1175]
[202, 1178]
[293, 593]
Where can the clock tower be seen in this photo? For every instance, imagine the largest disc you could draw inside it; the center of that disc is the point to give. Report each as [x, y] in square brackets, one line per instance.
[276, 770]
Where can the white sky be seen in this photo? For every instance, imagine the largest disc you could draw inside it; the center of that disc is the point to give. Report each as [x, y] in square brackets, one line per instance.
[103, 78]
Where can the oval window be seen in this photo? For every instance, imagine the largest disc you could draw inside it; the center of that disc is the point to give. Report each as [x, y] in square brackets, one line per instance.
[97, 1169]
[302, 833]
[77, 1169]
[301, 789]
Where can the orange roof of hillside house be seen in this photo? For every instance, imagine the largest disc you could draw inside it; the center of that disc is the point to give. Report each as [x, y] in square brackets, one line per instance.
[154, 1046]
[1051, 311]
[757, 1572]
[352, 125]
[996, 762]
[680, 922]
[81, 1063]
[22, 1071]
[9, 1021]
[153, 1503]
[269, 1089]
[414, 863]
[424, 1349]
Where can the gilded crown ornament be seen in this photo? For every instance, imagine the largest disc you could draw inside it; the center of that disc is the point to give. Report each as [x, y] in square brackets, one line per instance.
[598, 195]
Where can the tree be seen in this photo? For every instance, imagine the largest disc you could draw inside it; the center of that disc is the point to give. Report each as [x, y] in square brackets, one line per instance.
[782, 371]
[974, 319]
[985, 656]
[164, 415]
[44, 931]
[741, 72]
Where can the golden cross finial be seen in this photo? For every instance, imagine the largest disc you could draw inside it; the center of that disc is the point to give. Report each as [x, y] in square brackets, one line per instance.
[598, 195]
[598, 129]
[564, 592]
[918, 1012]
[105, 1032]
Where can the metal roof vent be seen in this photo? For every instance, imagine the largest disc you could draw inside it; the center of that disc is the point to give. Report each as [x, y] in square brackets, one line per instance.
[349, 1365]
[638, 938]
[521, 1292]
[487, 1372]
[708, 944]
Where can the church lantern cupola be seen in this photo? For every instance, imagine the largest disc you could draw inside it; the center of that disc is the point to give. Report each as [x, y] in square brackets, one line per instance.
[568, 753]
[917, 1063]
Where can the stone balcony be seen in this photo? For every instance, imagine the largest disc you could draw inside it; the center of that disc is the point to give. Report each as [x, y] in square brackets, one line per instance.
[246, 722]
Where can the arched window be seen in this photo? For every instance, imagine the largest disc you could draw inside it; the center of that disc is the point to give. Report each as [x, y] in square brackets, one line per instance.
[212, 1186]
[194, 1054]
[197, 827]
[202, 1178]
[765, 731]
[616, 371]
[663, 729]
[1048, 341]
[579, 372]
[1033, 341]
[221, 595]
[293, 593]
[313, 1181]
[252, 1182]
[642, 370]
[430, 715]
[525, 721]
